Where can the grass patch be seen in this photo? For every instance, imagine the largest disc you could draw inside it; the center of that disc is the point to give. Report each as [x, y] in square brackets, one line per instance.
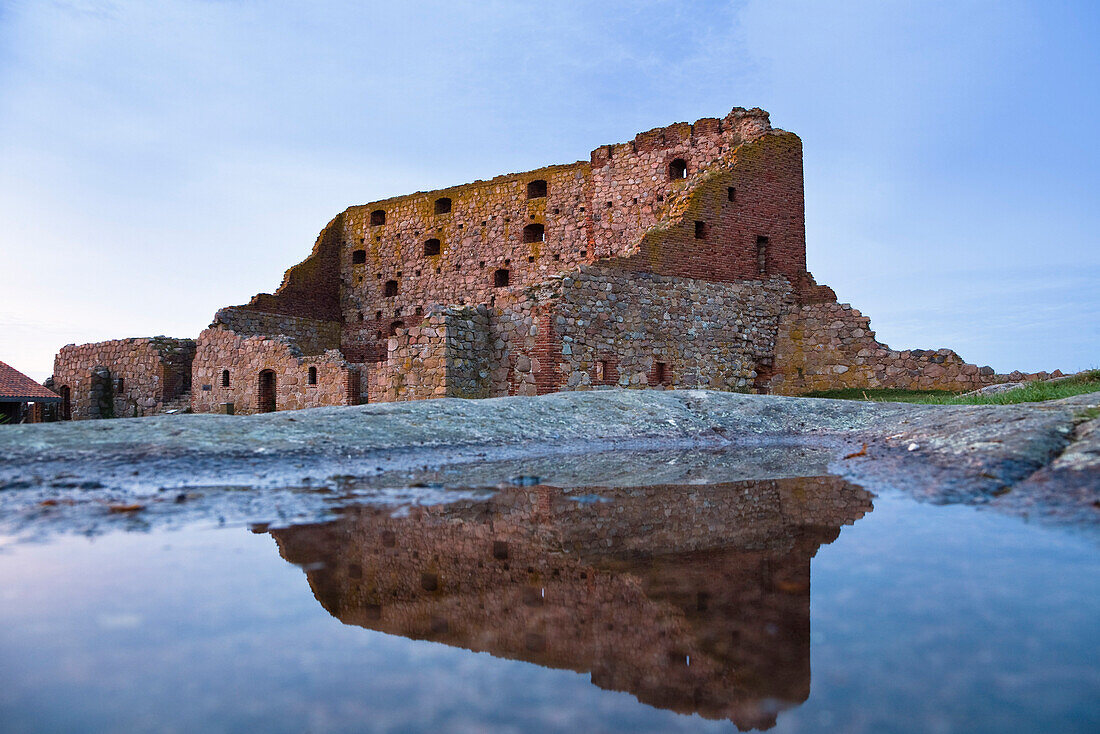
[1032, 392]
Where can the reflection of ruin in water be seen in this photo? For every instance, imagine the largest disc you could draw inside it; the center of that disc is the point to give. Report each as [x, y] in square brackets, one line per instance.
[694, 598]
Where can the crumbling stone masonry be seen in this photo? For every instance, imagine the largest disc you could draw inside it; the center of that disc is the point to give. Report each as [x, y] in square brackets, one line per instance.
[124, 377]
[677, 259]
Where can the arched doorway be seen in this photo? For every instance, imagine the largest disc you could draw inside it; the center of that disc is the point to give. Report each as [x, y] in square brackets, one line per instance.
[66, 403]
[266, 402]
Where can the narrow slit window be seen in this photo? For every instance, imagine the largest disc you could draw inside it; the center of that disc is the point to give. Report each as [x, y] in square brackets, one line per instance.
[761, 254]
[500, 278]
[731, 194]
[377, 217]
[677, 169]
[431, 247]
[443, 205]
[312, 376]
[601, 371]
[358, 257]
[536, 189]
[534, 233]
[391, 289]
[225, 378]
[700, 230]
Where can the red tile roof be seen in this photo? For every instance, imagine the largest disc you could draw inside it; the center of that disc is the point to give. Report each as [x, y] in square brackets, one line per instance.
[17, 387]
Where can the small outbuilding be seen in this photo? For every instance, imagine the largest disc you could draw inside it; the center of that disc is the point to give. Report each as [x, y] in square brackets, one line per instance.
[21, 398]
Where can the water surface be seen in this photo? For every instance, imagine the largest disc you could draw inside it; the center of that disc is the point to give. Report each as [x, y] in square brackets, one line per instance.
[796, 604]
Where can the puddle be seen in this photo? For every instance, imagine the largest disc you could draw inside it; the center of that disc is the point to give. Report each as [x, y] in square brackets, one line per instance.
[797, 603]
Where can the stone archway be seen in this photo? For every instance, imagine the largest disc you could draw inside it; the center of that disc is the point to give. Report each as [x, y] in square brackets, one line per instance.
[266, 395]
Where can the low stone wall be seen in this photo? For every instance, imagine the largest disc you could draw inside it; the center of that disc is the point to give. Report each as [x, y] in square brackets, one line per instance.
[830, 346]
[312, 336]
[123, 378]
[229, 370]
[447, 355]
[602, 326]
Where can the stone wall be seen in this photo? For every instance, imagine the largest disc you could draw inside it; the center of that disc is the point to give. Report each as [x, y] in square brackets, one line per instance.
[123, 378]
[447, 354]
[603, 326]
[690, 598]
[311, 336]
[230, 369]
[831, 346]
[399, 258]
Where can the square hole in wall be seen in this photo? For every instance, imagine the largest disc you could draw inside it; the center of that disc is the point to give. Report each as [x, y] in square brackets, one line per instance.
[481, 264]
[439, 270]
[507, 261]
[557, 257]
[416, 272]
[584, 253]
[377, 314]
[530, 258]
[557, 211]
[609, 205]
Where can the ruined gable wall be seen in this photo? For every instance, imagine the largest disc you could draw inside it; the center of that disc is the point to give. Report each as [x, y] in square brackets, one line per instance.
[153, 371]
[246, 356]
[713, 220]
[631, 182]
[310, 289]
[831, 346]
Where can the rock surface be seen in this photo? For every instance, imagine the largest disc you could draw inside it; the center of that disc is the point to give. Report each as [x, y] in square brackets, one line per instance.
[1041, 458]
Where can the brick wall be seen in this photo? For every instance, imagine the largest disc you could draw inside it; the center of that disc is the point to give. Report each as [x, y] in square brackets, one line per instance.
[138, 376]
[310, 289]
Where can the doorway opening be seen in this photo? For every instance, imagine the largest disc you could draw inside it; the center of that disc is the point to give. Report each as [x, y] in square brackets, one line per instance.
[266, 403]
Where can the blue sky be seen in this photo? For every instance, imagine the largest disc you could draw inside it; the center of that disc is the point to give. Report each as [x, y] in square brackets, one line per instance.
[161, 159]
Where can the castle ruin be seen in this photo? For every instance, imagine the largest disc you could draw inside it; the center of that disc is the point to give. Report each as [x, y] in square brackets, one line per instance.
[674, 260]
